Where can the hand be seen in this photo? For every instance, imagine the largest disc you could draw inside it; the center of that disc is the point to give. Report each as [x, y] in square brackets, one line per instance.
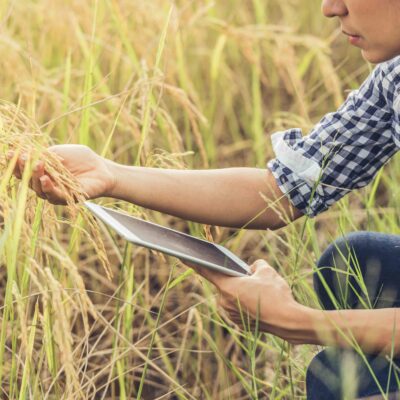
[92, 171]
[264, 294]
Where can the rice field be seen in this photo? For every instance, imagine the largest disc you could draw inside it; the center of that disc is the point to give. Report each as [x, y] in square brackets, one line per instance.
[183, 84]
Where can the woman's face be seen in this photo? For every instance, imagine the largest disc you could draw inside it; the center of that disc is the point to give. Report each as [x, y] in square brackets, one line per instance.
[371, 25]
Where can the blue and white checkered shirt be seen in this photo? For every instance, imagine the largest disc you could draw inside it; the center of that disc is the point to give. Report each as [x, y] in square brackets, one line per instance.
[346, 149]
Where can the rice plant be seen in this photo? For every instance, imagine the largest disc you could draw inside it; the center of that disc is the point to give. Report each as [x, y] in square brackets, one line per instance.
[180, 84]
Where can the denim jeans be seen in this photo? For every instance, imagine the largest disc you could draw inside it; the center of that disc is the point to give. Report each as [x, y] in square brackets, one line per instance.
[360, 270]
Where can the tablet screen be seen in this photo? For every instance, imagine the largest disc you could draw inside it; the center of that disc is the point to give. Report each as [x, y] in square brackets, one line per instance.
[169, 239]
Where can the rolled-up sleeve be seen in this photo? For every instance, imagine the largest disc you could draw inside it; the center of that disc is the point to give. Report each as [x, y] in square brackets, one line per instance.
[344, 151]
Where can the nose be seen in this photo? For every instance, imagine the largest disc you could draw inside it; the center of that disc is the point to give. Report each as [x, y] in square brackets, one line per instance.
[334, 8]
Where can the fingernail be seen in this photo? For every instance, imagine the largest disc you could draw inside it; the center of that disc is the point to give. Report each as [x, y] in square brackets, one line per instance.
[10, 154]
[42, 179]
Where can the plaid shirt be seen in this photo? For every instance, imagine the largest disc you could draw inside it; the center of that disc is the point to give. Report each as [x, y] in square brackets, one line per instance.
[346, 149]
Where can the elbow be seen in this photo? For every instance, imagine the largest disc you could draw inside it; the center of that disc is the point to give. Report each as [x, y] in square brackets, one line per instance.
[278, 225]
[282, 219]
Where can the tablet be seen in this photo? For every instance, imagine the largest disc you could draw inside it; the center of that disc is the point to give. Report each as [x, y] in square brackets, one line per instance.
[172, 242]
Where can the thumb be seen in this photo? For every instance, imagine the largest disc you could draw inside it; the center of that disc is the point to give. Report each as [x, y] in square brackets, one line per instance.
[258, 266]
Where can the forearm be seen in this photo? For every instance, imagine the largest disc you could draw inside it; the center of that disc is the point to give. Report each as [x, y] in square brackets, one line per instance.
[231, 197]
[372, 330]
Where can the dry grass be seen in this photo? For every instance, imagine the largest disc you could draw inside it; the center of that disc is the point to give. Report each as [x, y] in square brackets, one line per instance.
[197, 85]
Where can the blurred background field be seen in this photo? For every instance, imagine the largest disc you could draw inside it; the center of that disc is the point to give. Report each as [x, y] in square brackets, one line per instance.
[183, 84]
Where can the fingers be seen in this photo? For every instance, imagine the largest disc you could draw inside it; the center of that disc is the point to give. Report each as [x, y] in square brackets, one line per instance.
[258, 265]
[17, 169]
[40, 182]
[37, 173]
[225, 303]
[51, 192]
[240, 318]
[261, 267]
[214, 277]
[210, 275]
[19, 164]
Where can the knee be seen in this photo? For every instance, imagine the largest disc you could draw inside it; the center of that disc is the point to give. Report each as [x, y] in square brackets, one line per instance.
[338, 252]
[322, 380]
[332, 269]
[340, 374]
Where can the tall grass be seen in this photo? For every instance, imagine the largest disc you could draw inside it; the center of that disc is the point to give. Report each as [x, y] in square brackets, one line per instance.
[172, 85]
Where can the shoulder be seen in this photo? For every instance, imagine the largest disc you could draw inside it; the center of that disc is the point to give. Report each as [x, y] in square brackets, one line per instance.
[388, 76]
[391, 67]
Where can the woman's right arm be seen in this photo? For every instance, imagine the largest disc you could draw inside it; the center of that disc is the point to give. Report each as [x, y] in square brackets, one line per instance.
[230, 197]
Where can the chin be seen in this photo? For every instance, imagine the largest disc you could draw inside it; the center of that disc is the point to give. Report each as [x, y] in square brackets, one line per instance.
[376, 57]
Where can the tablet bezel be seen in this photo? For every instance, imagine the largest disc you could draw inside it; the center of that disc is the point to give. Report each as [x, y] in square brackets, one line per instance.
[101, 213]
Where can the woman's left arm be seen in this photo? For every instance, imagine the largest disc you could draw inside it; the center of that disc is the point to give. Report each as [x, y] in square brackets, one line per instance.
[266, 296]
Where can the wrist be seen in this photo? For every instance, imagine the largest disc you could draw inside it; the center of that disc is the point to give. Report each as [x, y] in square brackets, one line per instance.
[296, 324]
[114, 174]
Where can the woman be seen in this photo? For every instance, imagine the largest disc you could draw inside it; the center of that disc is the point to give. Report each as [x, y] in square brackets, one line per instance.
[343, 152]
